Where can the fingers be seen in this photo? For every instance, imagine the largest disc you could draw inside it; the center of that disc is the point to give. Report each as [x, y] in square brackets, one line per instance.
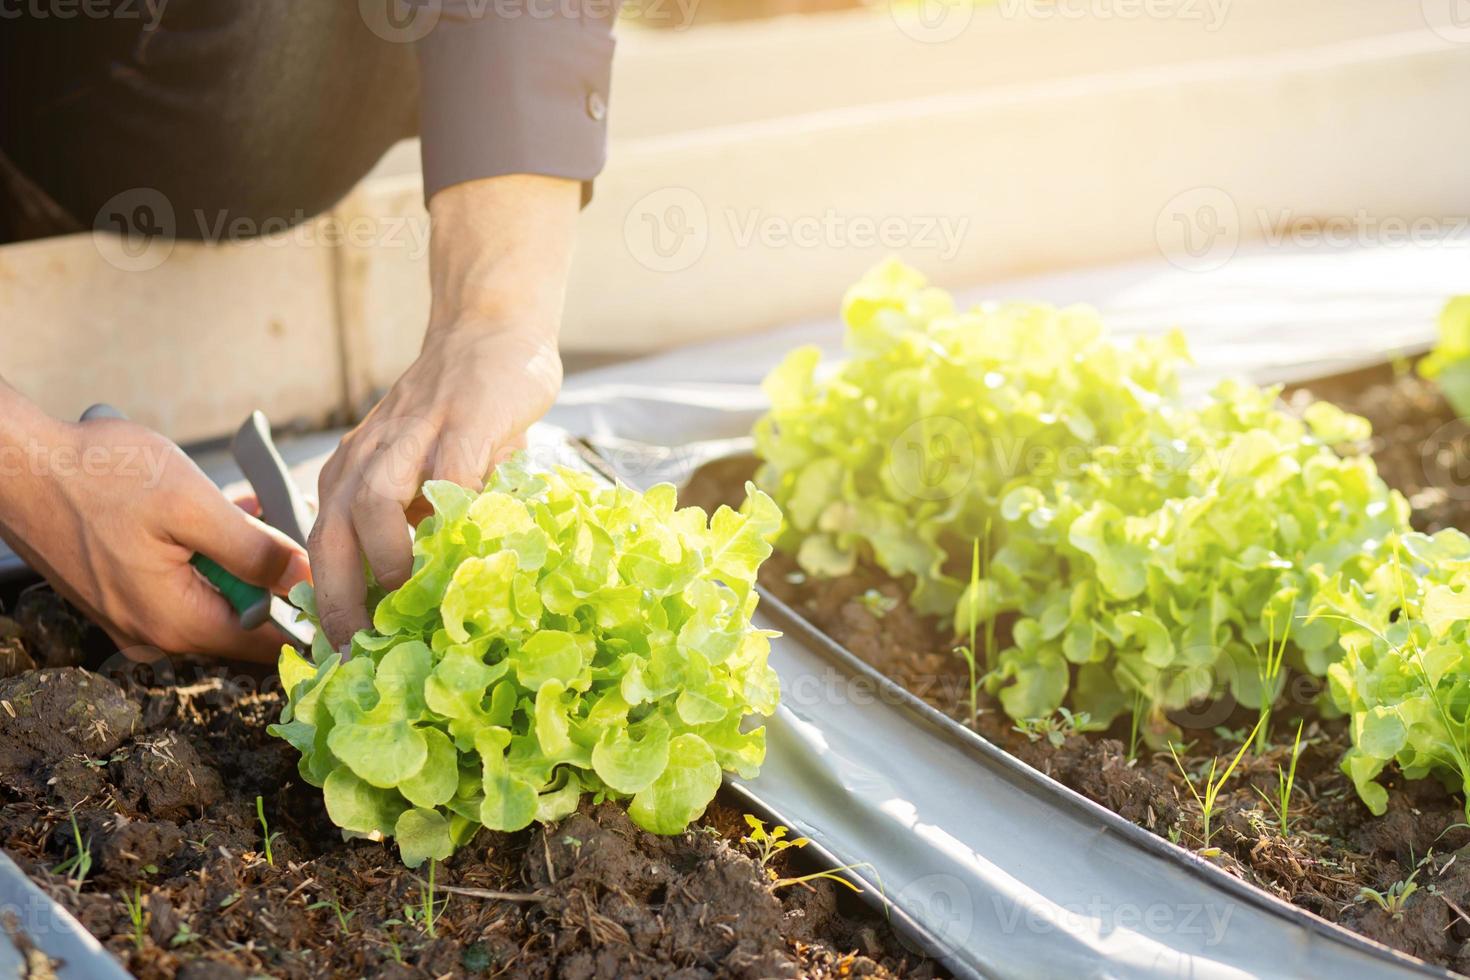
[370, 495]
[241, 544]
[463, 458]
[216, 631]
[385, 488]
[382, 531]
[201, 621]
[341, 590]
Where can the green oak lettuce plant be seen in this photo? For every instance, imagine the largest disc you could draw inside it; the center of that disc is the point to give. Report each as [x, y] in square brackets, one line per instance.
[558, 638]
[1404, 679]
[1448, 365]
[1141, 546]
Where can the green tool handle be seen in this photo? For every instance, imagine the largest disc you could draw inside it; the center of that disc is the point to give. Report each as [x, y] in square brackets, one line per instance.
[251, 601]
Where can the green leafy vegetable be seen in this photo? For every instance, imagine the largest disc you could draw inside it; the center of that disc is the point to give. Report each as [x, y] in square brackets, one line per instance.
[1404, 679]
[557, 638]
[1139, 546]
[1449, 363]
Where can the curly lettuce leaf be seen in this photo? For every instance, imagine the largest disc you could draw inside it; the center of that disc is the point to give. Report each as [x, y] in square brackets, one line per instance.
[557, 638]
[1139, 547]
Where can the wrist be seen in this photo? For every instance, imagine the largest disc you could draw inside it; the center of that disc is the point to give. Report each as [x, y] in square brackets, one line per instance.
[473, 326]
[29, 443]
[500, 252]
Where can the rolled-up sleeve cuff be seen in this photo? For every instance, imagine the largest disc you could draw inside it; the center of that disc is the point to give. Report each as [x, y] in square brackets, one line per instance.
[514, 88]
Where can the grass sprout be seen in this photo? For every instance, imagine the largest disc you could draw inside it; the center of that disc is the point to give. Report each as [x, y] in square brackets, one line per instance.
[1212, 783]
[79, 865]
[1285, 782]
[1268, 673]
[265, 831]
[134, 905]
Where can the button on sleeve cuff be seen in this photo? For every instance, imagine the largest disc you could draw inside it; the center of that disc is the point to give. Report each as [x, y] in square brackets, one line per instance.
[519, 88]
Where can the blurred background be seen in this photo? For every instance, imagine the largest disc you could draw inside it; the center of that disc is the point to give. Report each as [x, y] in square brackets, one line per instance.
[1288, 177]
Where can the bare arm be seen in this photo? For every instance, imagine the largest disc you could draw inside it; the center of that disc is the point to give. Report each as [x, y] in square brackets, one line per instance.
[500, 252]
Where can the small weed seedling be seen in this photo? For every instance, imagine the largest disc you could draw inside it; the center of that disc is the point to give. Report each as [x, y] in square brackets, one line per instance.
[1213, 784]
[1268, 674]
[968, 652]
[877, 603]
[1395, 897]
[429, 910]
[1056, 728]
[770, 843]
[265, 831]
[183, 937]
[134, 905]
[979, 571]
[767, 844]
[343, 918]
[1285, 782]
[394, 944]
[1133, 726]
[79, 865]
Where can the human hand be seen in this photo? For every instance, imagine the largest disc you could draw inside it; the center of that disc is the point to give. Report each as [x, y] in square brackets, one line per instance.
[490, 367]
[111, 513]
[460, 408]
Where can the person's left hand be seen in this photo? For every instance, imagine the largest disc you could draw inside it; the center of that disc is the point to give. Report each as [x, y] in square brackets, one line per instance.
[490, 366]
[460, 408]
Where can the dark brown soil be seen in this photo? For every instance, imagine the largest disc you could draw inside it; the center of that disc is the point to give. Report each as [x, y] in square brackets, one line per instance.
[160, 782]
[1334, 848]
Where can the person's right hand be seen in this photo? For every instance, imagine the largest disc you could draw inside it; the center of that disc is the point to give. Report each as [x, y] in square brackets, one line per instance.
[110, 513]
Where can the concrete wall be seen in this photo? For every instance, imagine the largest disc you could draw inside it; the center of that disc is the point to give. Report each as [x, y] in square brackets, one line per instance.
[756, 169]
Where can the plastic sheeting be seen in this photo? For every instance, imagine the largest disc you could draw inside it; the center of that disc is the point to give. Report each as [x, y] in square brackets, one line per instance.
[31, 923]
[993, 867]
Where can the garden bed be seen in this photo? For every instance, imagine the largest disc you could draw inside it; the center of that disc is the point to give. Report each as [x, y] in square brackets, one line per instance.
[1335, 848]
[162, 780]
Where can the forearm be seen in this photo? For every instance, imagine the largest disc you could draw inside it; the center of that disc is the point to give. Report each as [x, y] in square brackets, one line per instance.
[500, 253]
[28, 438]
